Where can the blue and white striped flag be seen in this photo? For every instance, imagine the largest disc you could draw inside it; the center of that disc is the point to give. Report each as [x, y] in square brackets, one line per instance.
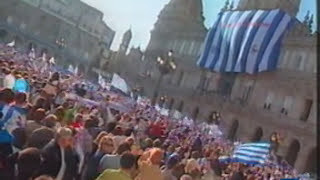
[251, 153]
[245, 41]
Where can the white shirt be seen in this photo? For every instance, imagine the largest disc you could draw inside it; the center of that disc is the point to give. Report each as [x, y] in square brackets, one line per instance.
[8, 81]
[63, 166]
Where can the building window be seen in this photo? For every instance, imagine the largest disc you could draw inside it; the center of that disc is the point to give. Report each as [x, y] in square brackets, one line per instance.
[183, 44]
[180, 107]
[180, 78]
[306, 110]
[268, 102]
[286, 105]
[247, 91]
[191, 48]
[298, 62]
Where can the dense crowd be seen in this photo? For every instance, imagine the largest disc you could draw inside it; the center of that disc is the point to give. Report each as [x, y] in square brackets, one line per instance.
[55, 125]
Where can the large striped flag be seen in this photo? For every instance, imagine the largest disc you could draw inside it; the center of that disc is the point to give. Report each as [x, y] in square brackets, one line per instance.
[251, 153]
[245, 41]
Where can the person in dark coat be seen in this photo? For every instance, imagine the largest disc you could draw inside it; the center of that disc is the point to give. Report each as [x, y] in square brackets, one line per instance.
[106, 146]
[59, 159]
[28, 163]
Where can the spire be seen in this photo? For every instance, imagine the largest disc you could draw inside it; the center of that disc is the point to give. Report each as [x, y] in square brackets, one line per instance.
[310, 23]
[128, 34]
[306, 18]
[231, 5]
[226, 6]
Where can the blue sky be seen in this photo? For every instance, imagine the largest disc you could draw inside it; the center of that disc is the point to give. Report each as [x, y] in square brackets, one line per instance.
[141, 15]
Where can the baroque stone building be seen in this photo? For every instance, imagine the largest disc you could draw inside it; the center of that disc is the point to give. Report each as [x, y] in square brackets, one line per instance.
[252, 107]
[70, 30]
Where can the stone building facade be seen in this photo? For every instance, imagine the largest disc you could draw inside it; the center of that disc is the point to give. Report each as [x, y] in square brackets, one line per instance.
[252, 107]
[70, 30]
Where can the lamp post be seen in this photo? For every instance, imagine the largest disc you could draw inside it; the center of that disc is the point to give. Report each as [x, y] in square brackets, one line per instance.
[163, 100]
[215, 118]
[136, 92]
[61, 43]
[165, 66]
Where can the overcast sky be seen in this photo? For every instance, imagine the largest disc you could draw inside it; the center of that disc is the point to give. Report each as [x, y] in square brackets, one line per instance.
[141, 15]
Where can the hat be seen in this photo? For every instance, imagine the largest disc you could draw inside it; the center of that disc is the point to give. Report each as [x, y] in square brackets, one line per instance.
[172, 161]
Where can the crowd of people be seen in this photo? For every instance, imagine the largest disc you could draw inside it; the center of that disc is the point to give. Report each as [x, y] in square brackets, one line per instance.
[54, 127]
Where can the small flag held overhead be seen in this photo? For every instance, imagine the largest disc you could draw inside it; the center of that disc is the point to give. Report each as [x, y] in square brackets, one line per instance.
[252, 153]
[12, 44]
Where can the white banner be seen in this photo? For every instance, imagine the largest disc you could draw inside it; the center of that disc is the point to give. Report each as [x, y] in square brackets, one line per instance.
[119, 83]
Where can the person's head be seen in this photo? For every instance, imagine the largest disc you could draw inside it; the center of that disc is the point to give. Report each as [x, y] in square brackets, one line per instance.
[89, 123]
[28, 162]
[20, 98]
[128, 132]
[128, 163]
[186, 177]
[99, 137]
[195, 155]
[78, 118]
[64, 137]
[130, 141]
[50, 121]
[111, 126]
[59, 112]
[7, 71]
[156, 156]
[39, 102]
[148, 143]
[55, 77]
[117, 131]
[192, 166]
[6, 96]
[44, 177]
[123, 148]
[172, 161]
[39, 115]
[157, 143]
[106, 145]
[20, 137]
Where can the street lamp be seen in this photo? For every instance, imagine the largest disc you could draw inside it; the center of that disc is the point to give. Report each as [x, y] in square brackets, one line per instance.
[61, 43]
[215, 118]
[136, 91]
[165, 66]
[163, 99]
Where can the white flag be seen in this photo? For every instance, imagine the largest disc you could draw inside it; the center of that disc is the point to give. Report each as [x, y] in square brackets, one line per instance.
[12, 44]
[70, 68]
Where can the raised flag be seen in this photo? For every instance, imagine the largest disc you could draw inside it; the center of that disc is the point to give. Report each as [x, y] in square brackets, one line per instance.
[252, 153]
[245, 41]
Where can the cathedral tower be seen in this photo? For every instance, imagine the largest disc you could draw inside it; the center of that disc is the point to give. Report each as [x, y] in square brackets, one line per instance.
[180, 27]
[126, 39]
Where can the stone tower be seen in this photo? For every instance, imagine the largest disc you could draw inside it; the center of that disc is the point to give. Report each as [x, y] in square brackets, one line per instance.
[289, 6]
[180, 27]
[126, 39]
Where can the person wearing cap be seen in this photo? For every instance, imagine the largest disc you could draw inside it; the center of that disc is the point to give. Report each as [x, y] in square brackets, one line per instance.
[127, 169]
[9, 79]
[171, 163]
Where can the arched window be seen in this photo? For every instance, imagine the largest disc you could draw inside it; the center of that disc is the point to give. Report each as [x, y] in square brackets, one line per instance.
[257, 135]
[171, 103]
[180, 107]
[3, 33]
[195, 113]
[154, 99]
[180, 78]
[44, 50]
[233, 130]
[311, 163]
[293, 151]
